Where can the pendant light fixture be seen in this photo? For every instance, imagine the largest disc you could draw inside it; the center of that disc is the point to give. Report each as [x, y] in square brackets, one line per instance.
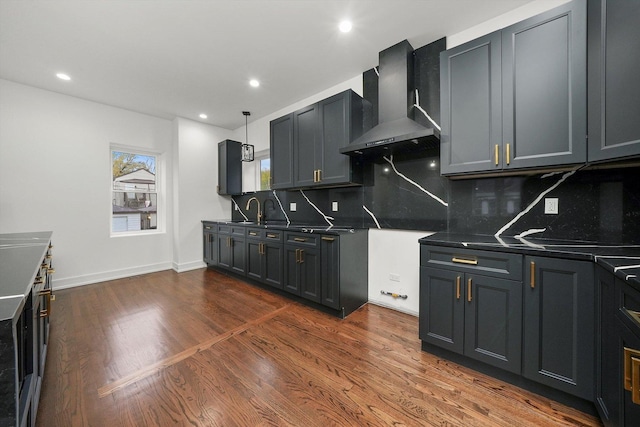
[247, 149]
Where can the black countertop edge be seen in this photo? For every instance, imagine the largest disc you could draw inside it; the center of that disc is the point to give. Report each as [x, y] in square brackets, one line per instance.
[304, 228]
[622, 260]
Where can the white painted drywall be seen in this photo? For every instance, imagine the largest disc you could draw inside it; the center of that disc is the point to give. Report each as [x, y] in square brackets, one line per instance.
[195, 182]
[55, 174]
[395, 252]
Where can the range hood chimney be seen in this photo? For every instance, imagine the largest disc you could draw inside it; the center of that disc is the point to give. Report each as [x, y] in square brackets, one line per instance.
[396, 130]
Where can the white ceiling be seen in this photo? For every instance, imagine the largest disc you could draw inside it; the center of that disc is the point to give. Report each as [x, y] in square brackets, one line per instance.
[173, 58]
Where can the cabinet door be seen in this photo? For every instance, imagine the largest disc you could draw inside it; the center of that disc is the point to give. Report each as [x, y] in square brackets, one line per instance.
[614, 89]
[238, 255]
[310, 287]
[210, 247]
[224, 251]
[255, 263]
[291, 270]
[442, 308]
[229, 167]
[544, 89]
[281, 152]
[330, 271]
[493, 321]
[273, 264]
[629, 411]
[305, 131]
[559, 330]
[471, 106]
[335, 122]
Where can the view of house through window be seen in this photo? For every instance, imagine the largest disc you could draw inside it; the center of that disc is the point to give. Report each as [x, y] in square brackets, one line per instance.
[134, 192]
[265, 174]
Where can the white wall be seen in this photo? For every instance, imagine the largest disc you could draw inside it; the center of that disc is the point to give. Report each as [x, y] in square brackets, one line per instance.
[195, 181]
[55, 174]
[395, 252]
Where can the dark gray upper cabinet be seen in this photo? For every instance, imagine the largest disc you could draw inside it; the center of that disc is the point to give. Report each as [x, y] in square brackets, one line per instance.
[229, 167]
[614, 88]
[281, 152]
[559, 324]
[516, 98]
[305, 145]
[471, 106]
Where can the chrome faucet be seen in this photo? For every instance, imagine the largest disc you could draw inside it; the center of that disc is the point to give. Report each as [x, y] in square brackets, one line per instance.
[259, 215]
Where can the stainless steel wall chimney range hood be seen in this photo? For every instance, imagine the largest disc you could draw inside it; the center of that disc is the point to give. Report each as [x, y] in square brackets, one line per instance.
[396, 130]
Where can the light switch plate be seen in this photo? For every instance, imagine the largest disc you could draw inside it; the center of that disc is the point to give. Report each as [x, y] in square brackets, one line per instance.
[551, 206]
[334, 206]
[292, 206]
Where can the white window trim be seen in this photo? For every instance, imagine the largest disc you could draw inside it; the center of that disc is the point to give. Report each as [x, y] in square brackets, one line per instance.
[161, 195]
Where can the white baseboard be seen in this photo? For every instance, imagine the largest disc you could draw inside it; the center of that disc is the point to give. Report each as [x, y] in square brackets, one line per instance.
[88, 279]
[188, 266]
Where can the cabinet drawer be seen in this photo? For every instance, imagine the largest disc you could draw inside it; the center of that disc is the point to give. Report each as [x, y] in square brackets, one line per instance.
[304, 239]
[496, 264]
[233, 230]
[275, 236]
[255, 233]
[210, 226]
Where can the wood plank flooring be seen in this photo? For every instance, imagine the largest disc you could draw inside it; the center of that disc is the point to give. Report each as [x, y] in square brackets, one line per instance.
[203, 349]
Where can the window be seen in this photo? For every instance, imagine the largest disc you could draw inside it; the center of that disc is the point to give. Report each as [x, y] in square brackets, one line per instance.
[263, 170]
[134, 192]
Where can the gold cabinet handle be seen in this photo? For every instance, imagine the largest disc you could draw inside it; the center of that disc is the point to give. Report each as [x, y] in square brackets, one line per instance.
[328, 239]
[301, 256]
[497, 154]
[469, 298]
[635, 380]
[47, 311]
[206, 227]
[253, 233]
[315, 175]
[49, 256]
[508, 153]
[464, 261]
[532, 272]
[458, 287]
[50, 246]
[299, 239]
[272, 236]
[51, 270]
[297, 256]
[319, 175]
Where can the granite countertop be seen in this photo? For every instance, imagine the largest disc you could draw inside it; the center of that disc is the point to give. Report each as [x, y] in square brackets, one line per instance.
[20, 257]
[280, 225]
[621, 260]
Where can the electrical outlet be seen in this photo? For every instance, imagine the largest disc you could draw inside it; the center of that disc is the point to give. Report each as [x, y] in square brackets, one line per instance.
[334, 206]
[394, 277]
[236, 207]
[292, 206]
[551, 206]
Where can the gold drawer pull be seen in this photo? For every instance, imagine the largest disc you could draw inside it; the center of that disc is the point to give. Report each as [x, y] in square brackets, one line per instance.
[49, 256]
[46, 312]
[629, 354]
[497, 154]
[458, 287]
[253, 233]
[532, 272]
[469, 290]
[272, 236]
[51, 270]
[207, 227]
[464, 261]
[38, 281]
[299, 239]
[50, 246]
[328, 239]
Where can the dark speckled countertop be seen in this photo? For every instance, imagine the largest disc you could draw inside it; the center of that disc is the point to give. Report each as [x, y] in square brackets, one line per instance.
[280, 225]
[621, 260]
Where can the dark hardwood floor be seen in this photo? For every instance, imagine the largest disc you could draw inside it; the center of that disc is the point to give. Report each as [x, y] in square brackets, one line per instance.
[203, 349]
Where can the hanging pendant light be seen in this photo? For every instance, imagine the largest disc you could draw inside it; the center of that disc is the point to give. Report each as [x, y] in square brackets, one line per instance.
[247, 149]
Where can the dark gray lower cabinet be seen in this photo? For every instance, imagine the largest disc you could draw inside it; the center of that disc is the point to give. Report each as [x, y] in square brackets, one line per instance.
[472, 314]
[302, 265]
[264, 256]
[617, 330]
[559, 324]
[210, 243]
[231, 248]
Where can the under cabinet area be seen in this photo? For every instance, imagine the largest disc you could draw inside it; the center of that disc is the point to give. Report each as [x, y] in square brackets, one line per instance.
[516, 98]
[326, 268]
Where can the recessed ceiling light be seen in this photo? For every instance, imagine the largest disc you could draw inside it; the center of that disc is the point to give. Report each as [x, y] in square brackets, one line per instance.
[63, 76]
[345, 26]
[254, 83]
[203, 116]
